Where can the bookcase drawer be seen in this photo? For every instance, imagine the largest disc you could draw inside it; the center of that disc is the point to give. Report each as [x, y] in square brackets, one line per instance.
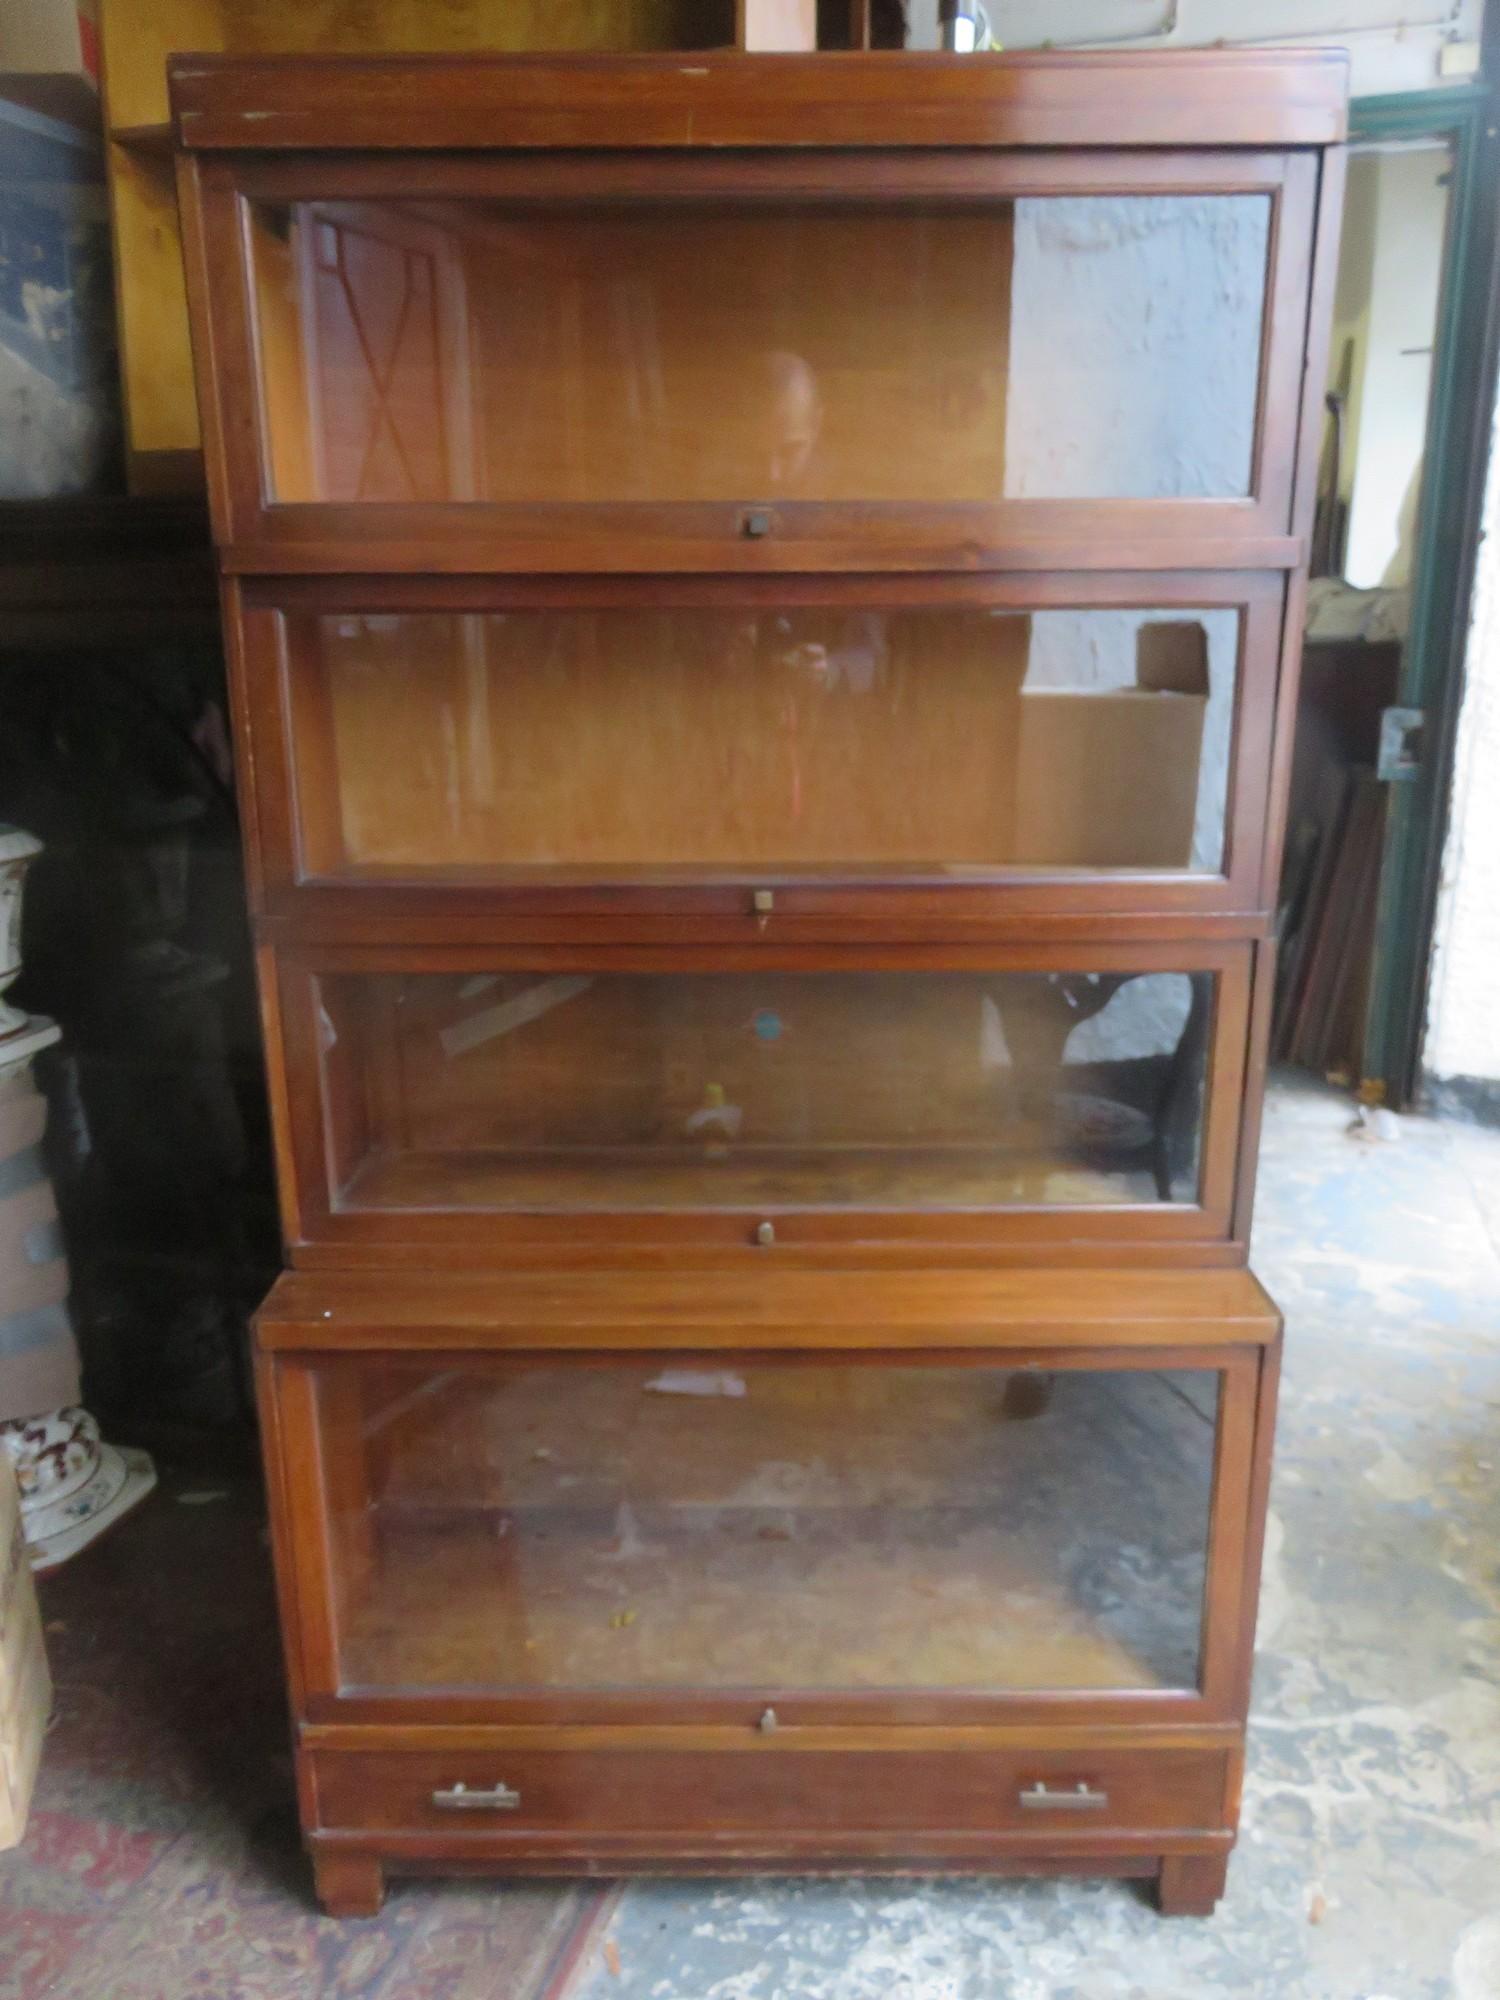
[555, 1795]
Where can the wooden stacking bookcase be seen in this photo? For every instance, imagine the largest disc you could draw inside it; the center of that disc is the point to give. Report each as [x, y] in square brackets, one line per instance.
[763, 597]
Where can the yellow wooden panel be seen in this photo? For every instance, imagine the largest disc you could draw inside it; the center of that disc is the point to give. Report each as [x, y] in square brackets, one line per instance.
[410, 26]
[156, 362]
[136, 37]
[161, 412]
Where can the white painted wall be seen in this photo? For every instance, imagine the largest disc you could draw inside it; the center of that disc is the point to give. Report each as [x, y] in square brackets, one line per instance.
[1139, 318]
[1407, 214]
[1463, 1017]
[1391, 47]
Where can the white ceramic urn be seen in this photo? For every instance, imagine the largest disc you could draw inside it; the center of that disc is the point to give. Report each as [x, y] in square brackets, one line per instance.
[17, 852]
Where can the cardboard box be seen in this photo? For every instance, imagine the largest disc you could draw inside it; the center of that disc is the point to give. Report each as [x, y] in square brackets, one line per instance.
[1109, 779]
[49, 58]
[50, 38]
[25, 1683]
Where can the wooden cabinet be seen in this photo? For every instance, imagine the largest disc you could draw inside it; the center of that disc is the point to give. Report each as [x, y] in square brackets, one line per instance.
[762, 598]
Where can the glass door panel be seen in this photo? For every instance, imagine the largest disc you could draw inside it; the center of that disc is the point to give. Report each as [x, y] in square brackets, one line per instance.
[450, 746]
[897, 1091]
[709, 1523]
[1083, 347]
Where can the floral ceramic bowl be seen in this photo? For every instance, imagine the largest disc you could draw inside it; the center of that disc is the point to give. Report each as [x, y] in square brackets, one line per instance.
[73, 1486]
[53, 1454]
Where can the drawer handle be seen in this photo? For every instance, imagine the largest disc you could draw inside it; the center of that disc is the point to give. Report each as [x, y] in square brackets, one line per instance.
[1083, 1798]
[491, 1798]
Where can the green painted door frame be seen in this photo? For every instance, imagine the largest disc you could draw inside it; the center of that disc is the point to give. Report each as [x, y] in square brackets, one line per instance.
[1457, 455]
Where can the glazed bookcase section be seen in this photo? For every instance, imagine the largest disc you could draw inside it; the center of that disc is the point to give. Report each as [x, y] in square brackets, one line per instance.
[667, 1517]
[528, 1097]
[624, 1523]
[664, 362]
[482, 350]
[1102, 740]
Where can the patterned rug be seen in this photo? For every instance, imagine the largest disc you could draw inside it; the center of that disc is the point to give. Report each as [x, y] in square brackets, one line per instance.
[162, 1861]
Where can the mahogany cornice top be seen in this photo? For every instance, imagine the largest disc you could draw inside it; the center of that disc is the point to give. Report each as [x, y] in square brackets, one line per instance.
[1179, 97]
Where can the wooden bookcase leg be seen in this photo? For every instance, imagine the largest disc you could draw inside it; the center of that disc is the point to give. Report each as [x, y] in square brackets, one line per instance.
[349, 1885]
[1190, 1884]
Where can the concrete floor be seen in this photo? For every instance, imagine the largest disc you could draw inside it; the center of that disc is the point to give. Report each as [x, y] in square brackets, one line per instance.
[162, 1863]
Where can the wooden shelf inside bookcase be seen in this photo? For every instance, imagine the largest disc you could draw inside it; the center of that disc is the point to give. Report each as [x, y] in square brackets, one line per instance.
[633, 1178]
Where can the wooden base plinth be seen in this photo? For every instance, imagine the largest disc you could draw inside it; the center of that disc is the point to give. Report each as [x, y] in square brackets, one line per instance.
[352, 1884]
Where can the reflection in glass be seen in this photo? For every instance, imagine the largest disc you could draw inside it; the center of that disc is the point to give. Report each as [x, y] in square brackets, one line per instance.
[1050, 347]
[695, 1524]
[921, 739]
[764, 1090]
